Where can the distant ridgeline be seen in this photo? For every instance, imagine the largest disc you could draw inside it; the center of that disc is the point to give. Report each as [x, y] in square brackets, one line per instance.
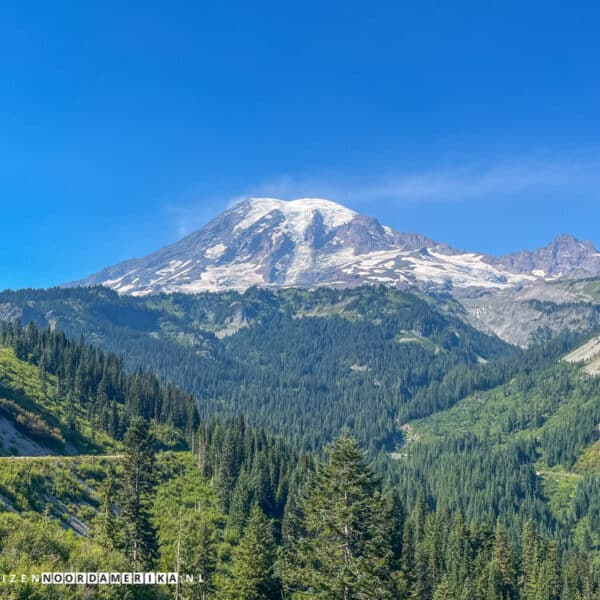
[76, 393]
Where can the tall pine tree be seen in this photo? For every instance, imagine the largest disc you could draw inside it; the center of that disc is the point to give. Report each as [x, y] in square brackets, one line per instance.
[137, 495]
[252, 573]
[345, 551]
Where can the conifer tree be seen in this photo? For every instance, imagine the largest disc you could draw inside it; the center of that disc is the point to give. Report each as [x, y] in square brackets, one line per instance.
[442, 591]
[395, 517]
[468, 590]
[503, 564]
[345, 550]
[138, 490]
[105, 527]
[551, 573]
[241, 503]
[197, 555]
[252, 573]
[458, 556]
[227, 469]
[530, 561]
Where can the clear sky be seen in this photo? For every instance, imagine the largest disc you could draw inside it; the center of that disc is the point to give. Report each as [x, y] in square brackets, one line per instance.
[124, 125]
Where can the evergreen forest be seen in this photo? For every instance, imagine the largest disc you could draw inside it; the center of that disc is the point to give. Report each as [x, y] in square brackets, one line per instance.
[338, 444]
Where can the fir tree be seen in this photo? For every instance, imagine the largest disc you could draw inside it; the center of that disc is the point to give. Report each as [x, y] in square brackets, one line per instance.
[138, 490]
[504, 564]
[551, 573]
[442, 591]
[252, 573]
[345, 550]
[196, 555]
[105, 527]
[530, 561]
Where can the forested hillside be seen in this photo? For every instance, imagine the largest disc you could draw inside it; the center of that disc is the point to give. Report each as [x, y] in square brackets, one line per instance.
[485, 476]
[260, 521]
[525, 450]
[300, 363]
[67, 397]
[143, 510]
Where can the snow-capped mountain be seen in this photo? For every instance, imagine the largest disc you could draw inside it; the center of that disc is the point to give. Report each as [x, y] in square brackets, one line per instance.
[310, 241]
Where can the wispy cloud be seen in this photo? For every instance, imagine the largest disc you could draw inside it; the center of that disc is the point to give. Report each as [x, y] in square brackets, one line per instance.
[449, 184]
[186, 217]
[472, 182]
[453, 184]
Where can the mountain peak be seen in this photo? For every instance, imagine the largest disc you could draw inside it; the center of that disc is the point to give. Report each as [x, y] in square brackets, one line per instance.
[564, 255]
[297, 203]
[566, 240]
[305, 242]
[300, 213]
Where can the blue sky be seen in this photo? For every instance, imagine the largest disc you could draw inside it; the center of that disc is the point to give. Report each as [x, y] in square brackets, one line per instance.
[124, 125]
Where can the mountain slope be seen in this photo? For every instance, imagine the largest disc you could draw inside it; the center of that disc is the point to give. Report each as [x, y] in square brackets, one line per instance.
[539, 429]
[63, 397]
[537, 311]
[33, 420]
[588, 355]
[302, 363]
[505, 435]
[308, 242]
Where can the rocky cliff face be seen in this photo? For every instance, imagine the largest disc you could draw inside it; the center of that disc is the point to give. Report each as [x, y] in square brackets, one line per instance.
[564, 256]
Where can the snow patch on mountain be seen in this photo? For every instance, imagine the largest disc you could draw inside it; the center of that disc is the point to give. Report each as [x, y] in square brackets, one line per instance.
[215, 251]
[298, 214]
